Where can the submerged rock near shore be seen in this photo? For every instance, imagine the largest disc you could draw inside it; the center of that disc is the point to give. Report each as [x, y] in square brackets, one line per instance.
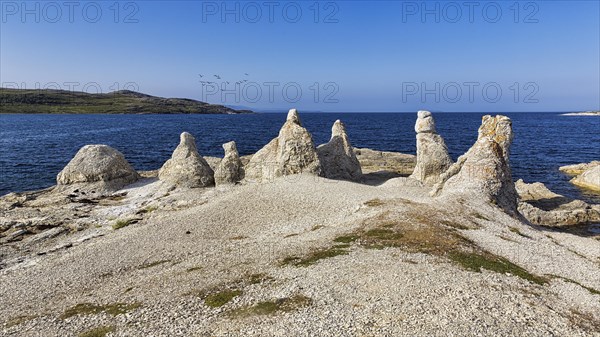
[292, 152]
[187, 168]
[337, 157]
[484, 170]
[432, 153]
[98, 167]
[541, 206]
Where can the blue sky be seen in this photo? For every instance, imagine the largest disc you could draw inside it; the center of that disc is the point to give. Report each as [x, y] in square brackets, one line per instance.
[357, 56]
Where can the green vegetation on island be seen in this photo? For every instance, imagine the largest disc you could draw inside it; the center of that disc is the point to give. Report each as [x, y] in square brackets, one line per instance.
[118, 102]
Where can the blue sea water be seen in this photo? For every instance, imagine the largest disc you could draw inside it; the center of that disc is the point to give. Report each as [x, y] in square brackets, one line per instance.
[34, 148]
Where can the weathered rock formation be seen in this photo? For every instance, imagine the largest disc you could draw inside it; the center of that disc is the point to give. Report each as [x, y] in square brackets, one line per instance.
[230, 169]
[337, 157]
[99, 166]
[292, 152]
[484, 171]
[541, 206]
[187, 168]
[432, 153]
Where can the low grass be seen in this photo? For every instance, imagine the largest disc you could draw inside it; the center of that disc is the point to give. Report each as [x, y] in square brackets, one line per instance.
[100, 331]
[517, 231]
[18, 320]
[584, 320]
[475, 261]
[591, 290]
[346, 238]
[153, 264]
[113, 309]
[123, 223]
[196, 268]
[374, 203]
[147, 210]
[257, 278]
[221, 298]
[313, 257]
[272, 307]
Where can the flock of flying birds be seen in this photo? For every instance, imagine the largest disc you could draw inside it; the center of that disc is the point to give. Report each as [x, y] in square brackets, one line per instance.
[218, 77]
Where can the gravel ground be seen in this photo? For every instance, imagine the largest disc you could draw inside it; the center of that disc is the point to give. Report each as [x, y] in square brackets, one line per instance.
[203, 242]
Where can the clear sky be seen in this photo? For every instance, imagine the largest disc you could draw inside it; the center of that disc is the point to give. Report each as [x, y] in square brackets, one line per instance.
[344, 56]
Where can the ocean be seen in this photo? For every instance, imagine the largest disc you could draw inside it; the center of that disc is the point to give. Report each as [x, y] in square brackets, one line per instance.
[34, 148]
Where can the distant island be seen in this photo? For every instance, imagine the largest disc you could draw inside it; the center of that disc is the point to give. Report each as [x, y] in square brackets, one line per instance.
[584, 113]
[118, 102]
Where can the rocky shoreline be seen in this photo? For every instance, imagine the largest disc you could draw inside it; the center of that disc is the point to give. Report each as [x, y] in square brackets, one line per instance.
[300, 239]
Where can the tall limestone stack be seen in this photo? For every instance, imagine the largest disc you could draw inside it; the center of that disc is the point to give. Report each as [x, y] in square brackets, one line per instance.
[187, 168]
[484, 171]
[230, 169]
[337, 157]
[292, 152]
[98, 167]
[432, 153]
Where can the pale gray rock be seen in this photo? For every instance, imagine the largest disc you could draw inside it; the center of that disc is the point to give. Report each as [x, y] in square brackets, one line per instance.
[541, 206]
[230, 169]
[187, 168]
[484, 171]
[589, 179]
[432, 152]
[292, 152]
[99, 166]
[377, 161]
[337, 157]
[577, 169]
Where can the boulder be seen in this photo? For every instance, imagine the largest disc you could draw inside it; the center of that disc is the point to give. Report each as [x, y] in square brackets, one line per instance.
[432, 153]
[337, 157]
[187, 168]
[541, 206]
[230, 169]
[484, 170]
[99, 166]
[292, 152]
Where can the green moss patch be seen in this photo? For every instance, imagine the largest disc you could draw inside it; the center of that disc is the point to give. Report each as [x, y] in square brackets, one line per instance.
[221, 298]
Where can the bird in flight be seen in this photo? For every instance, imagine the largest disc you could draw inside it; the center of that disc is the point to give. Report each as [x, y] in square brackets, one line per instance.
[200, 75]
[246, 74]
[218, 77]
